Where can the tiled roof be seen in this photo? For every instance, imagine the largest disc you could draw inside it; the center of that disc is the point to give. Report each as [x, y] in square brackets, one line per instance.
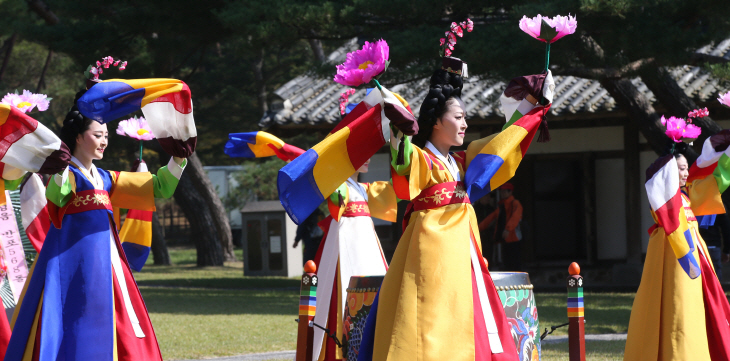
[310, 100]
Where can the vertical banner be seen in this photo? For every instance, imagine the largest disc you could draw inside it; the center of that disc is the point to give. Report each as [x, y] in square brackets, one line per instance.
[12, 248]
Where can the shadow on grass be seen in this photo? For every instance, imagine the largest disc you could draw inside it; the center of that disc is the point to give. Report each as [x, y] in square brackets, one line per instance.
[225, 283]
[604, 312]
[220, 302]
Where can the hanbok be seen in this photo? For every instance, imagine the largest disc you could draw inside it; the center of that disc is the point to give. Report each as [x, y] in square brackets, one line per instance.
[350, 248]
[81, 301]
[680, 311]
[438, 301]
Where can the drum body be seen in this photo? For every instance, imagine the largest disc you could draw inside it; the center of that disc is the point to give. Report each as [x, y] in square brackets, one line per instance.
[360, 296]
[518, 300]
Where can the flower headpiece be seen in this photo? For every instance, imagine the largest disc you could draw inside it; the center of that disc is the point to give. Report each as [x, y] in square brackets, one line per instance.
[93, 71]
[27, 101]
[457, 30]
[548, 30]
[362, 66]
[724, 99]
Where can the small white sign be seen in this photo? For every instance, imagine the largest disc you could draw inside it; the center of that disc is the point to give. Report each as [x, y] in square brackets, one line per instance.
[275, 244]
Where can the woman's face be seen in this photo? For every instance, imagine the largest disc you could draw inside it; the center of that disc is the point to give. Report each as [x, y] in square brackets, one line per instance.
[451, 127]
[91, 143]
[683, 170]
[364, 168]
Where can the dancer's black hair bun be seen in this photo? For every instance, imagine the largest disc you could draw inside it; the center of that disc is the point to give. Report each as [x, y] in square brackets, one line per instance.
[445, 83]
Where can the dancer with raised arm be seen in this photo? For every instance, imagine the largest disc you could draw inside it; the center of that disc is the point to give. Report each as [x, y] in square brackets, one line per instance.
[680, 311]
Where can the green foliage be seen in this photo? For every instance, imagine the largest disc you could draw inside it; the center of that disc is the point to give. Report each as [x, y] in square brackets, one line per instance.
[257, 182]
[721, 72]
[234, 53]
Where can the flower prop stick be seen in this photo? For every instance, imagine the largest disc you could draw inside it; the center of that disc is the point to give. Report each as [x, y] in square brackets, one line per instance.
[457, 31]
[548, 30]
[136, 128]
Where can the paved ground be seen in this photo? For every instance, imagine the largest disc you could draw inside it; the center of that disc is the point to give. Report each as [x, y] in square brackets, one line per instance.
[289, 355]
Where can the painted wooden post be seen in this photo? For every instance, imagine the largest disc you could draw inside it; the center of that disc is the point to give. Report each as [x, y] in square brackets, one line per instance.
[576, 326]
[307, 307]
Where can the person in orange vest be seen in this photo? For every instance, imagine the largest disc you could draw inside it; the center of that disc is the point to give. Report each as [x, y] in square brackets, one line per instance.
[507, 231]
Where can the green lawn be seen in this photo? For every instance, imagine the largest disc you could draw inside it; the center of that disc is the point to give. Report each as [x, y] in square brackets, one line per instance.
[216, 311]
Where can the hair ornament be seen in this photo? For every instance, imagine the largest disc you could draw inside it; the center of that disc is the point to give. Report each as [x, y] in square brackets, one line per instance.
[95, 70]
[448, 42]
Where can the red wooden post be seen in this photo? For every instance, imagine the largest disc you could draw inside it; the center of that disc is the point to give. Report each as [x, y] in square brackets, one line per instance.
[307, 307]
[576, 325]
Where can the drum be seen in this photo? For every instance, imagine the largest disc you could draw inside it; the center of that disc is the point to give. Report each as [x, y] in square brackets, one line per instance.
[360, 296]
[518, 300]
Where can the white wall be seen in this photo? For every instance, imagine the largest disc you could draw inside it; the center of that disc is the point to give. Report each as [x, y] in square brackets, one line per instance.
[580, 140]
[610, 209]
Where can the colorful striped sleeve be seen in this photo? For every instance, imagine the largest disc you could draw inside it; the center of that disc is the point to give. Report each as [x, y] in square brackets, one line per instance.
[61, 188]
[708, 178]
[492, 161]
[260, 145]
[166, 180]
[665, 198]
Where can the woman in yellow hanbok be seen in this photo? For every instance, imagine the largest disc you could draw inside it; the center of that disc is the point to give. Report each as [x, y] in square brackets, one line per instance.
[680, 311]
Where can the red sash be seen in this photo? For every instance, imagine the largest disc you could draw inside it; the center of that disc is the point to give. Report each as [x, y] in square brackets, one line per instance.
[89, 200]
[357, 209]
[436, 196]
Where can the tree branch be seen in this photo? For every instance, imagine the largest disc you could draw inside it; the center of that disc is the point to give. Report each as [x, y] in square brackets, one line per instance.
[606, 73]
[42, 9]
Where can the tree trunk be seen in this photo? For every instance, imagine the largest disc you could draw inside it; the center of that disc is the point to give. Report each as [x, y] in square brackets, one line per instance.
[677, 102]
[201, 219]
[194, 170]
[42, 80]
[640, 111]
[159, 248]
[317, 50]
[8, 46]
[258, 72]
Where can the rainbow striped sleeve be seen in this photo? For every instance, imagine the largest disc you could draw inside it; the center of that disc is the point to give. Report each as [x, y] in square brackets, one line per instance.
[304, 183]
[708, 178]
[166, 103]
[260, 145]
[665, 198]
[493, 160]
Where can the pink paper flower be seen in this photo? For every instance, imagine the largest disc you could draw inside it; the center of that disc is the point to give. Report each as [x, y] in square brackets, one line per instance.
[105, 63]
[344, 98]
[469, 25]
[698, 113]
[447, 52]
[724, 99]
[456, 29]
[442, 41]
[27, 101]
[136, 128]
[361, 66]
[563, 25]
[678, 129]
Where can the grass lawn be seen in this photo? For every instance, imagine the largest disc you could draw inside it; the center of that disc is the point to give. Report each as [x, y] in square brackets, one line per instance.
[215, 311]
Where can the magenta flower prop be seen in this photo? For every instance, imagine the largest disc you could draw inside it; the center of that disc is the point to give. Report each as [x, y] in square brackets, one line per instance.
[27, 101]
[548, 30]
[678, 129]
[361, 66]
[724, 99]
[448, 42]
[93, 71]
[136, 128]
